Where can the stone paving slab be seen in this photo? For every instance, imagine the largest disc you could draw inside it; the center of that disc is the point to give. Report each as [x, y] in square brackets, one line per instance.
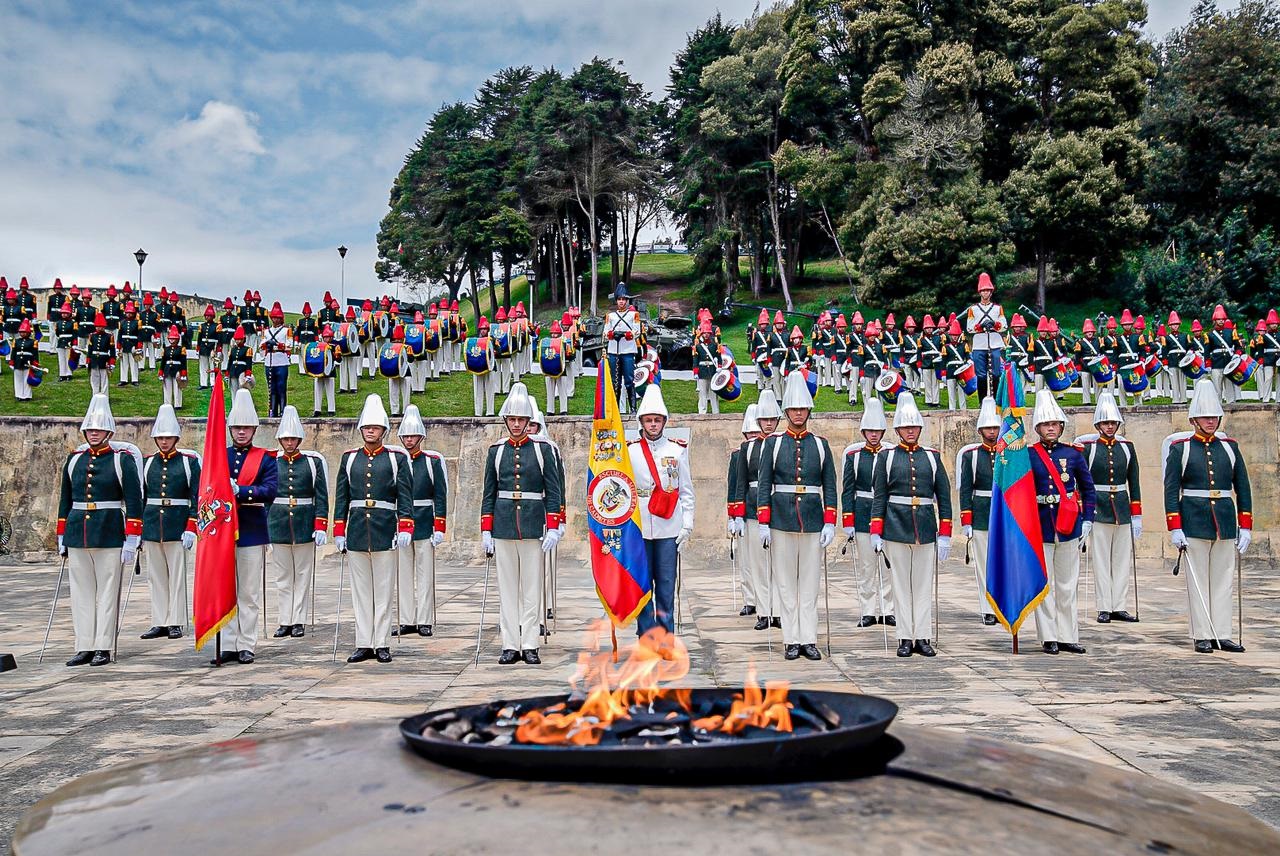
[1141, 698]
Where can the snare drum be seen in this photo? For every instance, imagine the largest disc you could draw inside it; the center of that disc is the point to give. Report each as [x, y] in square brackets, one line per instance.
[811, 381]
[1100, 369]
[967, 376]
[348, 339]
[1069, 370]
[889, 384]
[1192, 365]
[1153, 365]
[725, 384]
[35, 374]
[1240, 369]
[5, 348]
[1134, 377]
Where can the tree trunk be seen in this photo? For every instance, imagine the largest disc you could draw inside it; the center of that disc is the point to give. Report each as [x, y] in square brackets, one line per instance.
[475, 292]
[830, 229]
[572, 291]
[615, 270]
[779, 251]
[1042, 272]
[552, 242]
[493, 285]
[506, 281]
[595, 258]
[634, 244]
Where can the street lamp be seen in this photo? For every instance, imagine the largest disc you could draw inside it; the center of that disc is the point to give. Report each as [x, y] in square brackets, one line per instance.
[342, 253]
[141, 256]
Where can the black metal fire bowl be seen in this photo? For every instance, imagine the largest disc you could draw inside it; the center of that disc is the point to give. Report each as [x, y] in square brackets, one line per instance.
[855, 747]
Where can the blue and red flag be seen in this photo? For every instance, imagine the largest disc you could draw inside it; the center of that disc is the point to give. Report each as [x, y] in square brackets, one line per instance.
[619, 563]
[1016, 577]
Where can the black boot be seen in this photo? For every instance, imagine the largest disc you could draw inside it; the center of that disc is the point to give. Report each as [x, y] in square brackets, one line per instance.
[244, 657]
[1050, 647]
[1071, 647]
[100, 658]
[1202, 646]
[762, 623]
[791, 652]
[360, 655]
[1122, 615]
[1228, 645]
[424, 630]
[508, 657]
[298, 631]
[155, 633]
[891, 621]
[905, 648]
[282, 631]
[83, 657]
[175, 632]
[923, 646]
[810, 652]
[747, 610]
[531, 657]
[1104, 618]
[866, 621]
[988, 619]
[383, 655]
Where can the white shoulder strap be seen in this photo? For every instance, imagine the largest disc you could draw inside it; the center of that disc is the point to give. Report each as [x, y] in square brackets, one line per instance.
[965, 450]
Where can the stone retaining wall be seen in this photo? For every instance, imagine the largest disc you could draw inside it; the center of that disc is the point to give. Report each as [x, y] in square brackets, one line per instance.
[36, 448]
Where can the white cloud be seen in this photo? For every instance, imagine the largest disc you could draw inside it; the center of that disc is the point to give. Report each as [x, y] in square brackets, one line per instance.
[221, 130]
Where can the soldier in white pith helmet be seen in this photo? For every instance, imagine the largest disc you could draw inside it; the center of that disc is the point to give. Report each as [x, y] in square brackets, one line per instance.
[170, 484]
[298, 522]
[416, 564]
[874, 589]
[975, 474]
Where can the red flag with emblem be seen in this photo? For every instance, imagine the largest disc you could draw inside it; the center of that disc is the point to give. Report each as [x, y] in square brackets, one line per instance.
[215, 587]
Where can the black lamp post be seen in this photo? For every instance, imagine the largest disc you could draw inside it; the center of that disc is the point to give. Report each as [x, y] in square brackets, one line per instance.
[342, 253]
[141, 256]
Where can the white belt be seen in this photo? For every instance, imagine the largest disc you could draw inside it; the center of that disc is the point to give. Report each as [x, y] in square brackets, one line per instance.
[519, 494]
[864, 494]
[292, 501]
[1111, 488]
[373, 503]
[97, 506]
[985, 493]
[796, 488]
[752, 484]
[1229, 493]
[911, 500]
[165, 501]
[252, 504]
[424, 503]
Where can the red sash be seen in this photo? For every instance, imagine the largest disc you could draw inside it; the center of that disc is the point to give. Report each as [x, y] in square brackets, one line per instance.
[1068, 506]
[662, 502]
[252, 463]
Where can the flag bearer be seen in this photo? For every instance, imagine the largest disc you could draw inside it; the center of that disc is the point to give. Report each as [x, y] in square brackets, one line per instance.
[911, 525]
[372, 519]
[537, 430]
[1117, 523]
[797, 498]
[416, 564]
[255, 482]
[665, 490]
[99, 527]
[519, 520]
[735, 507]
[297, 523]
[706, 362]
[170, 483]
[1209, 507]
[874, 590]
[1066, 499]
[975, 473]
[757, 580]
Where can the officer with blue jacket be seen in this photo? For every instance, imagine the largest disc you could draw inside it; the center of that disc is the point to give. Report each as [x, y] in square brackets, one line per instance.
[1066, 499]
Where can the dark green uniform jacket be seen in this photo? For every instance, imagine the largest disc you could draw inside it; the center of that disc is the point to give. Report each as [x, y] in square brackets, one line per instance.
[855, 486]
[744, 478]
[301, 506]
[430, 494]
[170, 487]
[1114, 467]
[1206, 488]
[976, 469]
[374, 499]
[101, 499]
[523, 493]
[912, 502]
[797, 483]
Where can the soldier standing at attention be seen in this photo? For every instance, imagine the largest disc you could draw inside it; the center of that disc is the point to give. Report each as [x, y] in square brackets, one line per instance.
[1221, 345]
[129, 344]
[706, 362]
[874, 590]
[297, 523]
[857, 356]
[305, 332]
[372, 520]
[99, 527]
[975, 472]
[911, 525]
[86, 318]
[777, 352]
[170, 486]
[910, 354]
[21, 358]
[984, 321]
[1208, 504]
[762, 588]
[480, 362]
[840, 354]
[173, 368]
[255, 483]
[416, 564]
[954, 356]
[53, 303]
[64, 341]
[735, 509]
[101, 352]
[519, 521]
[1087, 350]
[1066, 497]
[1117, 523]
[323, 383]
[797, 498]
[227, 326]
[622, 332]
[207, 344]
[758, 347]
[797, 355]
[148, 324]
[111, 309]
[1268, 344]
[240, 362]
[276, 348]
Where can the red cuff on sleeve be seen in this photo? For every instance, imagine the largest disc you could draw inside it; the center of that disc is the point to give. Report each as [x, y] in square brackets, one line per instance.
[944, 528]
[877, 526]
[763, 514]
[339, 529]
[133, 526]
[847, 520]
[62, 526]
[1174, 521]
[191, 524]
[321, 524]
[829, 515]
[966, 518]
[1246, 519]
[406, 524]
[440, 524]
[486, 523]
[1135, 508]
[553, 521]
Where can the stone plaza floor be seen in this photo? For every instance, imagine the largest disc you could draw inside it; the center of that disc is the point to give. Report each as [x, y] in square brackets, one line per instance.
[1140, 699]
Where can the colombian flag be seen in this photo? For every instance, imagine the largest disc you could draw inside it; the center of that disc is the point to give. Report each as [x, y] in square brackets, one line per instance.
[214, 594]
[618, 560]
[1016, 577]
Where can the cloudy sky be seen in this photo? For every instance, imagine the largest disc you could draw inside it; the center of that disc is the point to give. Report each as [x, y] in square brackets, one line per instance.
[241, 142]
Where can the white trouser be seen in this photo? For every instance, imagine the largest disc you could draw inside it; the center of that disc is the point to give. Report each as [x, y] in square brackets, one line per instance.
[372, 577]
[416, 567]
[64, 362]
[242, 630]
[797, 573]
[778, 383]
[206, 368]
[172, 392]
[1111, 554]
[506, 374]
[21, 389]
[294, 566]
[980, 541]
[1056, 614]
[418, 374]
[1226, 389]
[483, 388]
[1266, 382]
[762, 382]
[1210, 569]
[557, 388]
[913, 571]
[151, 352]
[95, 593]
[129, 362]
[226, 359]
[323, 393]
[519, 563]
[369, 351]
[1178, 385]
[854, 383]
[911, 377]
[932, 386]
[707, 397]
[99, 380]
[837, 376]
[867, 387]
[824, 372]
[764, 590]
[398, 394]
[167, 579]
[875, 589]
[957, 399]
[1088, 388]
[349, 373]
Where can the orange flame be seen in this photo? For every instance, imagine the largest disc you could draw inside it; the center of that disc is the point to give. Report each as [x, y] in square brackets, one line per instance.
[612, 689]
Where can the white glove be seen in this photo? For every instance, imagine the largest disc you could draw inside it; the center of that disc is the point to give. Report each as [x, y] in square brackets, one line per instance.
[828, 535]
[733, 527]
[848, 531]
[62, 548]
[1243, 540]
[188, 540]
[550, 540]
[486, 541]
[682, 538]
[437, 538]
[561, 528]
[1136, 523]
[320, 537]
[235, 488]
[1179, 539]
[766, 537]
[967, 531]
[944, 547]
[877, 543]
[340, 541]
[1085, 529]
[403, 539]
[129, 551]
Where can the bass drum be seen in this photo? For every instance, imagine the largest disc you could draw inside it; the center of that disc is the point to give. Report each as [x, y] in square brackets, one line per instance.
[551, 356]
[348, 339]
[415, 339]
[393, 360]
[725, 384]
[479, 350]
[317, 359]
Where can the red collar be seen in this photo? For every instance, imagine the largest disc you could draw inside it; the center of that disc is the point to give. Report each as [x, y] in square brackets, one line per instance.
[990, 447]
[1204, 438]
[800, 436]
[293, 457]
[909, 447]
[518, 441]
[375, 452]
[867, 447]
